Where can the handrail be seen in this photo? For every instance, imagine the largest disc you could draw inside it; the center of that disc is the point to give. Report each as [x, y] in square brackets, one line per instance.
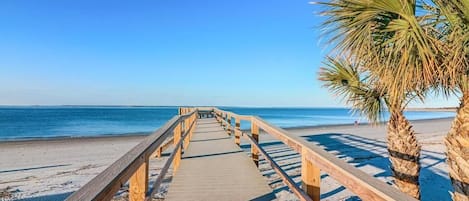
[314, 159]
[231, 114]
[134, 164]
[164, 170]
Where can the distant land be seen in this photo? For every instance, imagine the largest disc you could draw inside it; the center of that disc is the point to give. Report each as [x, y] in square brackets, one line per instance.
[438, 109]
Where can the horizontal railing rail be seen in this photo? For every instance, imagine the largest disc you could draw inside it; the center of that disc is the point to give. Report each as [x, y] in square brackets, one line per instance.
[313, 160]
[133, 166]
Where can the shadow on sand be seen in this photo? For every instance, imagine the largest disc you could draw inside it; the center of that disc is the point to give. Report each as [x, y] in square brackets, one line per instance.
[362, 153]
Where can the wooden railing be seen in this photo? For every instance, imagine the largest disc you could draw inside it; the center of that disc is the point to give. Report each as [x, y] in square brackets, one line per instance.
[313, 160]
[133, 166]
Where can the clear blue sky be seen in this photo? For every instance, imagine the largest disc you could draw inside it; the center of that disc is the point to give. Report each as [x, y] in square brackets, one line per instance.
[163, 52]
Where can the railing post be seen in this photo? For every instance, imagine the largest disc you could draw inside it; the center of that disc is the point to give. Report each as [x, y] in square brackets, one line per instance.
[224, 122]
[228, 128]
[185, 130]
[189, 130]
[177, 137]
[221, 119]
[159, 152]
[310, 177]
[255, 136]
[193, 128]
[139, 183]
[237, 131]
[187, 123]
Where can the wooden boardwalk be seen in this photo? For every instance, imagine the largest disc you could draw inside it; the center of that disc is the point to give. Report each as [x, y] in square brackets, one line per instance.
[214, 168]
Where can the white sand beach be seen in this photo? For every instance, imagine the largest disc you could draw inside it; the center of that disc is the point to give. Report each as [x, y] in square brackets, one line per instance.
[51, 169]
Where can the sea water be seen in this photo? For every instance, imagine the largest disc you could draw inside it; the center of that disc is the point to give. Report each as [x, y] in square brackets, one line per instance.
[24, 122]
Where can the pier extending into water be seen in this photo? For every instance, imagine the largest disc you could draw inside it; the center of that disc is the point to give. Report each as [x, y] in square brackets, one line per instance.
[208, 164]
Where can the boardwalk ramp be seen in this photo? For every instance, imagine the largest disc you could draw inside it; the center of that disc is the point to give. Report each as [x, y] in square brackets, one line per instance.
[213, 167]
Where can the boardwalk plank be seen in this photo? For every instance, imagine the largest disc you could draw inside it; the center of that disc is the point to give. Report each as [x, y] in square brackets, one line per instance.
[215, 168]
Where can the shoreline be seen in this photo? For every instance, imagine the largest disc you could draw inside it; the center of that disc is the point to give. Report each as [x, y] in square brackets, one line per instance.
[62, 138]
[71, 139]
[362, 124]
[144, 134]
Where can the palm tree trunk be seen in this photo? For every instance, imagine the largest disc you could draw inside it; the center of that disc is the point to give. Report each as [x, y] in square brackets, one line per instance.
[457, 145]
[404, 154]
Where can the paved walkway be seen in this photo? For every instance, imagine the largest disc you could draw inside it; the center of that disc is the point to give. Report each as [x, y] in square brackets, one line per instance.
[215, 168]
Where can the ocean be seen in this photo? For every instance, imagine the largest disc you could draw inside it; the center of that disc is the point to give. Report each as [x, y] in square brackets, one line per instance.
[30, 122]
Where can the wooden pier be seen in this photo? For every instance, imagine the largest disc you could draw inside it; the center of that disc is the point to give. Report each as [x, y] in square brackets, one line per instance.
[209, 165]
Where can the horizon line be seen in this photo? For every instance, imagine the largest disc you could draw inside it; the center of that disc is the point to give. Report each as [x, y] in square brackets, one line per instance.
[124, 105]
[221, 106]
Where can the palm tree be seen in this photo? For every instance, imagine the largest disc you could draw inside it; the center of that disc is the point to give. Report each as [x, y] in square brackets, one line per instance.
[450, 20]
[366, 96]
[424, 46]
[392, 43]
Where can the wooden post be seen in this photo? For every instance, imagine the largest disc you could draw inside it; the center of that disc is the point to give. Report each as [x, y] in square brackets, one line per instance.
[255, 135]
[224, 122]
[139, 183]
[237, 131]
[177, 137]
[193, 128]
[191, 121]
[159, 152]
[310, 177]
[228, 128]
[187, 123]
[221, 119]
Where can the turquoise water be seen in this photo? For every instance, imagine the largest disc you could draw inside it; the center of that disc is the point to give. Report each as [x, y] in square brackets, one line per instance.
[78, 121]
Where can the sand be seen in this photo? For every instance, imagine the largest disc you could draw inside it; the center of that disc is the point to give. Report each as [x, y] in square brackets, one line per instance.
[52, 169]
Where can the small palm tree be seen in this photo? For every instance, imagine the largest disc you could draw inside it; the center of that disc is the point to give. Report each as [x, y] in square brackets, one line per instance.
[367, 97]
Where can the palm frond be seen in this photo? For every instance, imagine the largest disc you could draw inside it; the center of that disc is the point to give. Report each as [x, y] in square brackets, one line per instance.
[389, 38]
[344, 79]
